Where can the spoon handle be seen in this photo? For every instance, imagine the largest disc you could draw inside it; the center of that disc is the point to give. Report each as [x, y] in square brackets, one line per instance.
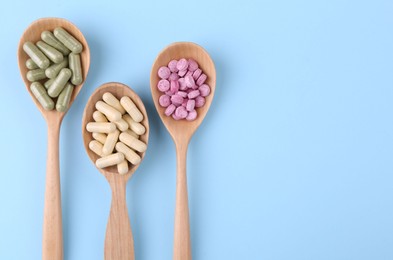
[119, 243]
[182, 240]
[52, 243]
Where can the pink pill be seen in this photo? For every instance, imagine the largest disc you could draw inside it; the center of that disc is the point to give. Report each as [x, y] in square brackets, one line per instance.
[182, 84]
[163, 85]
[196, 74]
[164, 72]
[173, 76]
[189, 73]
[192, 65]
[164, 100]
[201, 79]
[190, 105]
[185, 102]
[189, 80]
[191, 115]
[170, 109]
[182, 64]
[193, 94]
[181, 112]
[182, 94]
[199, 101]
[204, 90]
[177, 100]
[181, 73]
[172, 66]
[174, 116]
[174, 86]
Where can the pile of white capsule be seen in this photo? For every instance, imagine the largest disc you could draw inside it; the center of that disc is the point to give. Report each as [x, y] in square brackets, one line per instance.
[54, 68]
[116, 131]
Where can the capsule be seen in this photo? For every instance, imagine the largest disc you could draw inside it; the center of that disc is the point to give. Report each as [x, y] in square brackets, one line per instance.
[100, 137]
[122, 167]
[59, 82]
[68, 40]
[130, 132]
[132, 142]
[110, 142]
[40, 94]
[50, 52]
[131, 108]
[30, 64]
[138, 128]
[110, 160]
[64, 98]
[96, 147]
[130, 155]
[48, 83]
[121, 124]
[99, 117]
[36, 55]
[112, 114]
[54, 69]
[75, 65]
[35, 75]
[114, 102]
[50, 39]
[95, 127]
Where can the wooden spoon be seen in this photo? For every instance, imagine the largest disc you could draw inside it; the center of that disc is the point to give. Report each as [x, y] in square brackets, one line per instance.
[119, 244]
[181, 132]
[52, 243]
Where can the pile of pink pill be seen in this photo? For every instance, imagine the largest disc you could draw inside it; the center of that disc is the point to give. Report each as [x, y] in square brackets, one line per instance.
[184, 88]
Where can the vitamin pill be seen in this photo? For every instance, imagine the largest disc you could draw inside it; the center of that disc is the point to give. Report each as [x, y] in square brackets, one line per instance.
[133, 142]
[190, 105]
[193, 94]
[138, 128]
[35, 75]
[130, 132]
[164, 100]
[131, 109]
[182, 84]
[173, 76]
[96, 147]
[191, 115]
[177, 100]
[164, 72]
[50, 52]
[48, 83]
[192, 65]
[199, 101]
[114, 102]
[204, 90]
[196, 74]
[30, 64]
[201, 79]
[122, 167]
[172, 66]
[99, 117]
[36, 55]
[163, 85]
[181, 112]
[59, 83]
[112, 114]
[75, 65]
[109, 160]
[99, 127]
[100, 137]
[121, 124]
[50, 39]
[181, 73]
[68, 40]
[110, 142]
[40, 94]
[182, 65]
[182, 94]
[129, 154]
[189, 80]
[54, 69]
[170, 109]
[174, 86]
[64, 98]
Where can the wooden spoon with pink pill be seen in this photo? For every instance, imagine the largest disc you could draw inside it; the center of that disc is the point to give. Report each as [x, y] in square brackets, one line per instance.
[119, 243]
[181, 132]
[52, 244]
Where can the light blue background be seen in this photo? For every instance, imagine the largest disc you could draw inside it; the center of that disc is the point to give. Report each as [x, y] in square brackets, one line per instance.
[293, 161]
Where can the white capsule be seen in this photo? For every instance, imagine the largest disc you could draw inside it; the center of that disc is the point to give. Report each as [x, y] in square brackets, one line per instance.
[112, 114]
[114, 102]
[131, 109]
[122, 167]
[110, 160]
[96, 147]
[130, 132]
[100, 127]
[121, 124]
[100, 137]
[99, 117]
[110, 142]
[138, 128]
[132, 142]
[129, 154]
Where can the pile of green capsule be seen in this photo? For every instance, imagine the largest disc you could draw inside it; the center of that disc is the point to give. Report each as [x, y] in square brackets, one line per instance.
[54, 68]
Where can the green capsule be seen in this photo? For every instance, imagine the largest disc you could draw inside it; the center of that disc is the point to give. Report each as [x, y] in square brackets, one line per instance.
[40, 94]
[68, 40]
[48, 83]
[59, 83]
[64, 98]
[35, 75]
[50, 52]
[75, 65]
[50, 39]
[30, 64]
[54, 69]
[36, 55]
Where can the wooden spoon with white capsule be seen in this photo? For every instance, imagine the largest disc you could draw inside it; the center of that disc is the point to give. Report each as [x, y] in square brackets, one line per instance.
[119, 243]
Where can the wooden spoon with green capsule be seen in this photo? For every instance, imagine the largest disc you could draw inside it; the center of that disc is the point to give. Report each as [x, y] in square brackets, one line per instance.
[52, 241]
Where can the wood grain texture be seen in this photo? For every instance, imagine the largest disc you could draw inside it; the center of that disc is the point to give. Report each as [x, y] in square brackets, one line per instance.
[52, 242]
[181, 132]
[119, 243]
